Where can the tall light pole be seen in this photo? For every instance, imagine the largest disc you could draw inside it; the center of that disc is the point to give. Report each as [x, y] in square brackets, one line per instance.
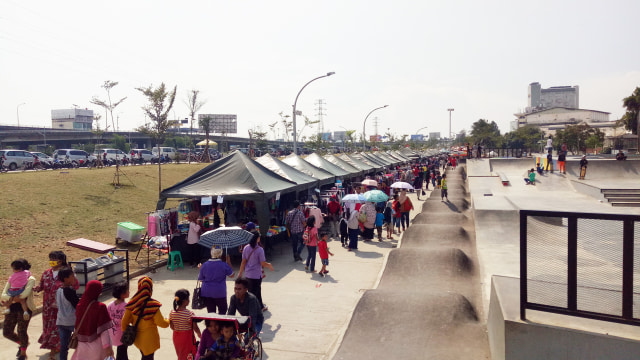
[295, 135]
[418, 131]
[450, 110]
[18, 112]
[364, 136]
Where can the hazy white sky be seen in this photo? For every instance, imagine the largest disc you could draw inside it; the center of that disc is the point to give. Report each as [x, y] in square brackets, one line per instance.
[251, 58]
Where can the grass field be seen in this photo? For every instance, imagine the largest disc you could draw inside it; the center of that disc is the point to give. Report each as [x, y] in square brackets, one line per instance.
[41, 211]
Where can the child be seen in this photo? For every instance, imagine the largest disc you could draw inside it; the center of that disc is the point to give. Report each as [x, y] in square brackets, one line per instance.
[116, 309]
[227, 346]
[439, 180]
[388, 215]
[210, 334]
[324, 253]
[182, 326]
[66, 301]
[531, 178]
[444, 192]
[539, 168]
[17, 281]
[344, 229]
[379, 222]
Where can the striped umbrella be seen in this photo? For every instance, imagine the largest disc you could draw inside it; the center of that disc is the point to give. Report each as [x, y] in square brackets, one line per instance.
[227, 237]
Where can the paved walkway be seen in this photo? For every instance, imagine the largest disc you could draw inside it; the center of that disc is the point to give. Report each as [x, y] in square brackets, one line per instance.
[307, 315]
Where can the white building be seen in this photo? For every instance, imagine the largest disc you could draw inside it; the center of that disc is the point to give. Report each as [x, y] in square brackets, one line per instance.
[551, 120]
[555, 96]
[72, 119]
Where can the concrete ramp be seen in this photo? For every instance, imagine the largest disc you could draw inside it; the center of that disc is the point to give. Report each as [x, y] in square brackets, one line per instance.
[414, 324]
[606, 169]
[512, 166]
[425, 306]
[478, 167]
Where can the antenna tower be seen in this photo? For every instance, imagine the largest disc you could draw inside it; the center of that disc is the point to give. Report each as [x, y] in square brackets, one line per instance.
[320, 114]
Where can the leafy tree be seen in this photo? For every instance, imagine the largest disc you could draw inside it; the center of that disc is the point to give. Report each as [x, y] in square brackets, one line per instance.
[261, 140]
[120, 142]
[526, 137]
[575, 137]
[630, 118]
[160, 103]
[486, 133]
[108, 105]
[206, 123]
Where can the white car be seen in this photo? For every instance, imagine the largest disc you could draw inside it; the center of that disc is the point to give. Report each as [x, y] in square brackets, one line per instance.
[43, 157]
[166, 151]
[14, 159]
[147, 155]
[74, 155]
[112, 154]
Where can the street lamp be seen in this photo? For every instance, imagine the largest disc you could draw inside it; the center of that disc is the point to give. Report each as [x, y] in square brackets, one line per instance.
[18, 112]
[295, 135]
[450, 110]
[364, 136]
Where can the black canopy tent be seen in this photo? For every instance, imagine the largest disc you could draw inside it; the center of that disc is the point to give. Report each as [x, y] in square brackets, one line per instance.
[298, 163]
[318, 161]
[343, 164]
[288, 172]
[236, 177]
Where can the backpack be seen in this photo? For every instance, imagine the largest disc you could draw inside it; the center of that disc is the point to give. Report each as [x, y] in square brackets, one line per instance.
[388, 212]
[362, 217]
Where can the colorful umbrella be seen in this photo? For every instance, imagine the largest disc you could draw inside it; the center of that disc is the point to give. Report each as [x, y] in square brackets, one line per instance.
[401, 185]
[375, 196]
[231, 236]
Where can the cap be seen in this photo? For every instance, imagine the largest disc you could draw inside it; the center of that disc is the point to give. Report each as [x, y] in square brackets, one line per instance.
[250, 226]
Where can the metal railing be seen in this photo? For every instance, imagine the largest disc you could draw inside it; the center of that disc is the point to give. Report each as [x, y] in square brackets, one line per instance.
[580, 264]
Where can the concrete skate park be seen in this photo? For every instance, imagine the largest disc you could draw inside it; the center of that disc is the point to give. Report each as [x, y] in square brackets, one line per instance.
[451, 290]
[448, 288]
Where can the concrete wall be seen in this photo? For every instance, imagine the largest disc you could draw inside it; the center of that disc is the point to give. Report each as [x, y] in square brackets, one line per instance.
[551, 336]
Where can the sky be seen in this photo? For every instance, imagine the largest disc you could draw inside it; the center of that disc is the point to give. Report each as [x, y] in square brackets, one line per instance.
[251, 58]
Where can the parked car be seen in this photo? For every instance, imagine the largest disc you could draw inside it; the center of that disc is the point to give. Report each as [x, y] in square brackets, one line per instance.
[76, 156]
[112, 154]
[14, 159]
[184, 153]
[43, 157]
[166, 151]
[147, 155]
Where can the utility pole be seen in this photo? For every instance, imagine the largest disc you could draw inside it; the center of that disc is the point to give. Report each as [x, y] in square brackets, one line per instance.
[319, 115]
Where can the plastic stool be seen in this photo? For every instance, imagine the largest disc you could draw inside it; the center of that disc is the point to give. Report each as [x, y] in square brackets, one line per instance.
[175, 260]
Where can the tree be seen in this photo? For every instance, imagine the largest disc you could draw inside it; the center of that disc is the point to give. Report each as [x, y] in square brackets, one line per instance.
[160, 103]
[630, 118]
[526, 137]
[194, 106]
[108, 105]
[575, 137]
[287, 124]
[205, 124]
[486, 133]
[261, 140]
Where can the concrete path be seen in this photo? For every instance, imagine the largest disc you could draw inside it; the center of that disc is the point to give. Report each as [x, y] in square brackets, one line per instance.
[307, 314]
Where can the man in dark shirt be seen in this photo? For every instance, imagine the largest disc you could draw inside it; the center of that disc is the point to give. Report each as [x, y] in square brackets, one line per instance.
[246, 304]
[295, 222]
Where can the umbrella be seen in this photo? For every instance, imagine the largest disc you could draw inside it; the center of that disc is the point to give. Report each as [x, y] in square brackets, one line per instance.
[375, 196]
[369, 182]
[353, 197]
[204, 142]
[225, 236]
[401, 185]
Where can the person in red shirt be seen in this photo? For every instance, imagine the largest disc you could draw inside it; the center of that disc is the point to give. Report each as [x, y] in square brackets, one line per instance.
[334, 210]
[324, 253]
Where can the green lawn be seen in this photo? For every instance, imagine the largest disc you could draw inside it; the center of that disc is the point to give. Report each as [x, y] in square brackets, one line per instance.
[42, 210]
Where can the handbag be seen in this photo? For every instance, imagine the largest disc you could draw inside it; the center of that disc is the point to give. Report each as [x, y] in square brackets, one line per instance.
[73, 340]
[362, 217]
[197, 302]
[129, 334]
[423, 193]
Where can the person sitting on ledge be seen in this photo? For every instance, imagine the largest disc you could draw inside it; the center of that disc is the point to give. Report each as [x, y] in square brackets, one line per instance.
[621, 156]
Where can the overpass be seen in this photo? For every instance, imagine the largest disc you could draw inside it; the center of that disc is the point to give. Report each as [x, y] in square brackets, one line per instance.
[21, 137]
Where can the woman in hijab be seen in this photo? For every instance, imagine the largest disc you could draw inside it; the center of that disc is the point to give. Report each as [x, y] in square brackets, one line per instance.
[94, 342]
[147, 337]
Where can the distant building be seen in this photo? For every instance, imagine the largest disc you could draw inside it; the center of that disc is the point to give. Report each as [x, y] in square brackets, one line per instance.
[434, 135]
[72, 119]
[555, 96]
[551, 120]
[340, 135]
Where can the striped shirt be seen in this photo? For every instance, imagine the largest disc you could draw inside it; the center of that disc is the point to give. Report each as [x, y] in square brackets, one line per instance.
[181, 319]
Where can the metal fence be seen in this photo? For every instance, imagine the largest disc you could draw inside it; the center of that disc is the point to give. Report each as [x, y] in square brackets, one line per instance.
[580, 264]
